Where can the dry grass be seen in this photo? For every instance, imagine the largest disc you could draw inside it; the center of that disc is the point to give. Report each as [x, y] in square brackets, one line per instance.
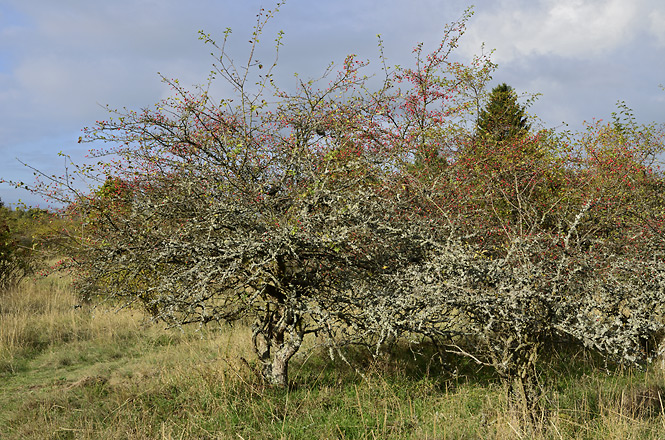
[44, 313]
[95, 373]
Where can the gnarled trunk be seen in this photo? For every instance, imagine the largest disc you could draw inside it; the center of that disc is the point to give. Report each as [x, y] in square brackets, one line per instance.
[276, 338]
[517, 369]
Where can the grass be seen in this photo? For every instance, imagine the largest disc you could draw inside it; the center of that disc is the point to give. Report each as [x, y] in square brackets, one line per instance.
[71, 372]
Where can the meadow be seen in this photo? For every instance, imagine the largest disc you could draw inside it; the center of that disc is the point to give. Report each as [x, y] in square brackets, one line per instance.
[77, 371]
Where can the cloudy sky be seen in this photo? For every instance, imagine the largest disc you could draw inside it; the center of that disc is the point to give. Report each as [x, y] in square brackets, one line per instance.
[62, 61]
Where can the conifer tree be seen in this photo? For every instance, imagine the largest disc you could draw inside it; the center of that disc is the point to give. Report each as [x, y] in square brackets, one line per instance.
[503, 118]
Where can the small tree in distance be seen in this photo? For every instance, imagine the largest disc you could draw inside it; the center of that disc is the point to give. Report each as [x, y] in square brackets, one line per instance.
[21, 233]
[503, 118]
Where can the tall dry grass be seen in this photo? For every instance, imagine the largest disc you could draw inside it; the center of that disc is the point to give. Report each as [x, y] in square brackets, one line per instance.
[99, 373]
[42, 313]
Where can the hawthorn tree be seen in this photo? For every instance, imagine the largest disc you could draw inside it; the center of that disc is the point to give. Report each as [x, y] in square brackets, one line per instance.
[271, 205]
[539, 247]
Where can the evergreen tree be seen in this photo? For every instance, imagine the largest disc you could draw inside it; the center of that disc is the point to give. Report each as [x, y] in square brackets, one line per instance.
[503, 118]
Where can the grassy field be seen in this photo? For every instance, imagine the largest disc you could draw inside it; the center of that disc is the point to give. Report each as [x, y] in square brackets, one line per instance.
[71, 372]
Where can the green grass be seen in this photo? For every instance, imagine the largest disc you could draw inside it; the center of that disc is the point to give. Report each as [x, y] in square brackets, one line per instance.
[86, 373]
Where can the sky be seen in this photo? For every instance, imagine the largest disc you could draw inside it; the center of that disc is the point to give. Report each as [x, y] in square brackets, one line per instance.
[62, 62]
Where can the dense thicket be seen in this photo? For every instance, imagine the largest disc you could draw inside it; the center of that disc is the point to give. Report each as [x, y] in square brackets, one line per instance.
[365, 213]
[21, 233]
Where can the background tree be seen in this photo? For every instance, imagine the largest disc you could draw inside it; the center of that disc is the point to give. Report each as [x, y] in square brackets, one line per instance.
[503, 118]
[23, 232]
[508, 170]
[11, 265]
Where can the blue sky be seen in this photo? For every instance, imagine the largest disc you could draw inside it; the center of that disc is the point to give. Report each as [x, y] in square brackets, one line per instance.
[62, 61]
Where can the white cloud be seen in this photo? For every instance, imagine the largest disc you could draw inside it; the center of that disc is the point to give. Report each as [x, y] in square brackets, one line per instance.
[657, 25]
[569, 28]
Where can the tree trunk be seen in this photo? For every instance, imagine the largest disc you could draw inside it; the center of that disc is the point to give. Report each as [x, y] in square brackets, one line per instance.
[276, 339]
[524, 385]
[277, 372]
